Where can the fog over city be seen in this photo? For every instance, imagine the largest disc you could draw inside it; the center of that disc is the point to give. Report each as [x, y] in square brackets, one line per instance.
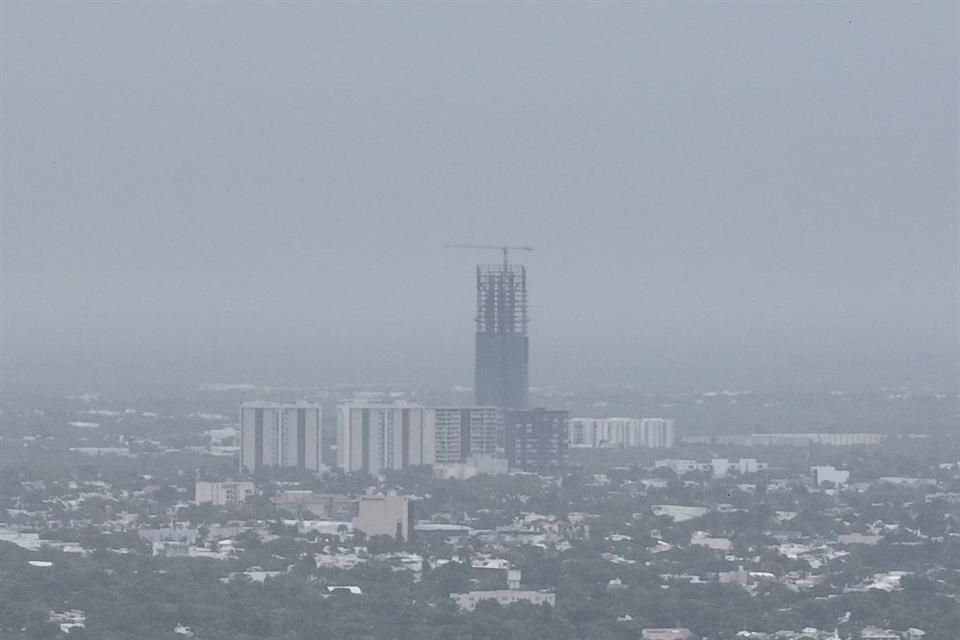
[464, 320]
[731, 195]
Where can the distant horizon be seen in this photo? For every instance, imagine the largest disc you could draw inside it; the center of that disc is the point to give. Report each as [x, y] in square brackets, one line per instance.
[664, 374]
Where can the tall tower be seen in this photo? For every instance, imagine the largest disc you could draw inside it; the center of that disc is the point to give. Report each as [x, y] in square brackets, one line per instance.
[502, 348]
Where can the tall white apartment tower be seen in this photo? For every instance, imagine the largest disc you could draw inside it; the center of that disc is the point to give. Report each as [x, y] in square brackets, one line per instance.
[374, 437]
[463, 432]
[654, 433]
[605, 432]
[657, 433]
[280, 434]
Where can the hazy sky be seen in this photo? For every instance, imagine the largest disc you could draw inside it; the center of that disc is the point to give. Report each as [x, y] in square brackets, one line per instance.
[744, 192]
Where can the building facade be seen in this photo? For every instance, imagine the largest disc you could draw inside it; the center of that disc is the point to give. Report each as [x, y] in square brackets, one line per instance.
[472, 466]
[717, 467]
[656, 433]
[280, 434]
[501, 375]
[604, 432]
[385, 516]
[807, 439]
[223, 493]
[513, 593]
[468, 601]
[536, 439]
[461, 433]
[375, 437]
[827, 473]
[325, 506]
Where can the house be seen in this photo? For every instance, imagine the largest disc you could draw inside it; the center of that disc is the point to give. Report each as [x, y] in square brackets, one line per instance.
[876, 633]
[666, 634]
[72, 619]
[223, 493]
[513, 593]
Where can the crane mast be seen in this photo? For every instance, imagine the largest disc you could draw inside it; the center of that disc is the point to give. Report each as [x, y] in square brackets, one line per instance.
[505, 249]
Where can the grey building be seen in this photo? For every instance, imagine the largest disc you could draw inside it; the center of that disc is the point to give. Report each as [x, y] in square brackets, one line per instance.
[536, 439]
[502, 347]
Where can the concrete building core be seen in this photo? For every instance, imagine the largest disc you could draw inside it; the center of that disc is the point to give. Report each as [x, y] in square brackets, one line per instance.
[501, 376]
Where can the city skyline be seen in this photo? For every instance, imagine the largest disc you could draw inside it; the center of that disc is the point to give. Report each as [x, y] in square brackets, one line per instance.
[690, 372]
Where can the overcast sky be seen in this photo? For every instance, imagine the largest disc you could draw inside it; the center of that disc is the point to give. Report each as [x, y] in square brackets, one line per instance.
[724, 192]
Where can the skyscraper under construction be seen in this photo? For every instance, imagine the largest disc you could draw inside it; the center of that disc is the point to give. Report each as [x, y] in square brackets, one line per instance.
[502, 356]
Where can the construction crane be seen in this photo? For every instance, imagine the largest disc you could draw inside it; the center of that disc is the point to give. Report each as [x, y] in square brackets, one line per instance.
[505, 249]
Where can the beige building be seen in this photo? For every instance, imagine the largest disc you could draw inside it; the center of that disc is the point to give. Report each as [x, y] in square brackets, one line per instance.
[385, 516]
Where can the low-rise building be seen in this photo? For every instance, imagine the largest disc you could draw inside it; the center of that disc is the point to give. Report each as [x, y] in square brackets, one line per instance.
[702, 539]
[677, 512]
[68, 620]
[666, 634]
[513, 593]
[385, 516]
[170, 534]
[223, 493]
[678, 466]
[322, 505]
[474, 466]
[807, 439]
[827, 473]
[717, 467]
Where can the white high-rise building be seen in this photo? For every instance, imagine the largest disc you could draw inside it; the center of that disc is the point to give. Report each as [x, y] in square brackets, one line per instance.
[604, 432]
[461, 433]
[280, 434]
[375, 437]
[657, 433]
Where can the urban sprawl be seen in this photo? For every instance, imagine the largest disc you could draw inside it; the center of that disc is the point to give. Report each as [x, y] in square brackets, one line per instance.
[240, 511]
